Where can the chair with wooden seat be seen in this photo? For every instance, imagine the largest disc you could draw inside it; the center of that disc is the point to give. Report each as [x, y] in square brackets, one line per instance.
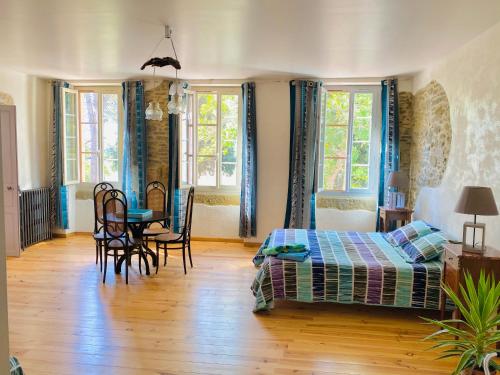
[156, 200]
[99, 190]
[178, 241]
[116, 240]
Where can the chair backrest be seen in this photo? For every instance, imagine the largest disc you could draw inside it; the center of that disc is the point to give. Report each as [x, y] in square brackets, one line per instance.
[156, 196]
[186, 231]
[115, 215]
[99, 190]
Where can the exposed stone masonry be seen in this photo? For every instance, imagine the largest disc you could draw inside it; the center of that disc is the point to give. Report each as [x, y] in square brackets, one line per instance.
[157, 135]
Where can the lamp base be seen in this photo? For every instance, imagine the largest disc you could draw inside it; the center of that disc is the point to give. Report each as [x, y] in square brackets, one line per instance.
[472, 247]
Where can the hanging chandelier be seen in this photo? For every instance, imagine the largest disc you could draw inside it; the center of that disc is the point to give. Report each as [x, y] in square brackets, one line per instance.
[177, 92]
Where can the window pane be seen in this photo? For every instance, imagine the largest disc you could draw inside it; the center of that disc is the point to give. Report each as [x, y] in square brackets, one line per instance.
[207, 140]
[207, 108]
[90, 166]
[110, 138]
[337, 108]
[334, 174]
[71, 169]
[206, 167]
[88, 107]
[110, 170]
[229, 135]
[336, 141]
[228, 174]
[359, 177]
[90, 137]
[360, 153]
[362, 116]
[70, 126]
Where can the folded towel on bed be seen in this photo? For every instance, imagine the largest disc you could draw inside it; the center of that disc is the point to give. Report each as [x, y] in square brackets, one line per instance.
[291, 248]
[298, 257]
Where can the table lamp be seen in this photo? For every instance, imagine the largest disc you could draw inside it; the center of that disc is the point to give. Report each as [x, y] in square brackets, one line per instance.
[399, 181]
[476, 200]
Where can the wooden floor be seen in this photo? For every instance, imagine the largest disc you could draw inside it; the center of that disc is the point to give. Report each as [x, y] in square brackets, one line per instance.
[64, 321]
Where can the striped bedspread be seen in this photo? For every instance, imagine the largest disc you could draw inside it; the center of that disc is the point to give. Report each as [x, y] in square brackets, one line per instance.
[344, 267]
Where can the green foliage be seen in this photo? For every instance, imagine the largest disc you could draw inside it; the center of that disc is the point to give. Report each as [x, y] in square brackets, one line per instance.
[479, 308]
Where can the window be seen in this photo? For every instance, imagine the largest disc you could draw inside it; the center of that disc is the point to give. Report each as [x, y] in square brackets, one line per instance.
[71, 171]
[100, 114]
[210, 150]
[349, 139]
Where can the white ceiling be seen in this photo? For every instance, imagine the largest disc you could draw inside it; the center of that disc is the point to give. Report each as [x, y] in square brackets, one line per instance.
[237, 39]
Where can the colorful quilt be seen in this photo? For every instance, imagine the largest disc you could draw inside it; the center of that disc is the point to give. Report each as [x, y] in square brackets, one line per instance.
[344, 267]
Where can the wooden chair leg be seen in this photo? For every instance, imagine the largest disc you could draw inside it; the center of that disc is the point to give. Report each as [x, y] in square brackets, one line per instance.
[105, 267]
[140, 259]
[97, 244]
[165, 255]
[127, 256]
[189, 253]
[184, 257]
[157, 256]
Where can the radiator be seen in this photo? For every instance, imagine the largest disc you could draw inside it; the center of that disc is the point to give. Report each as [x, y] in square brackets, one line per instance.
[34, 216]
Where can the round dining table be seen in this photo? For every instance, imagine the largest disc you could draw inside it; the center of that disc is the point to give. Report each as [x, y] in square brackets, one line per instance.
[137, 226]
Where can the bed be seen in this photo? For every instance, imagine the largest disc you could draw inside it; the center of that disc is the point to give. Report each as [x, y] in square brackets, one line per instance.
[345, 267]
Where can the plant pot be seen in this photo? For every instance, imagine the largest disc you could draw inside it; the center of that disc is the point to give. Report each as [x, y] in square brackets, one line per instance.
[476, 372]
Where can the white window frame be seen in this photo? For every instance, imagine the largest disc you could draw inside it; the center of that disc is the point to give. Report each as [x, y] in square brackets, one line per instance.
[219, 91]
[100, 90]
[373, 172]
[67, 180]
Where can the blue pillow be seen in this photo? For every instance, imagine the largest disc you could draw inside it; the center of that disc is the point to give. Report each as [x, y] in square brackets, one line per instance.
[408, 232]
[425, 248]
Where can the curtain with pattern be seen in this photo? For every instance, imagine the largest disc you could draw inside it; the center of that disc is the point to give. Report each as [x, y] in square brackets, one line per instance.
[248, 200]
[305, 99]
[389, 151]
[134, 144]
[174, 194]
[58, 191]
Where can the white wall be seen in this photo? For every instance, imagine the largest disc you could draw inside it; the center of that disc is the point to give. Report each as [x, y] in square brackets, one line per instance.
[30, 96]
[471, 79]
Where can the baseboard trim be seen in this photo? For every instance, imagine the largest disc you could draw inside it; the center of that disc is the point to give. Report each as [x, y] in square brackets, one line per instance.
[217, 239]
[200, 239]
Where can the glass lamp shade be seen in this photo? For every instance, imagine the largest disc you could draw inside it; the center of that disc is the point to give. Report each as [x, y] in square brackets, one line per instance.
[150, 112]
[158, 113]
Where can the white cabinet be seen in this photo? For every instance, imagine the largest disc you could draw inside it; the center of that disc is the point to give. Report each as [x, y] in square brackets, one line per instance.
[10, 189]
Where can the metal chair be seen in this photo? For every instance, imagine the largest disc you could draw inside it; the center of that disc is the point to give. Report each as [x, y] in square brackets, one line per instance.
[99, 190]
[182, 240]
[115, 229]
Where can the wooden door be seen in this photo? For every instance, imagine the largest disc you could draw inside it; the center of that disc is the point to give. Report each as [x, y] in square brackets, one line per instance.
[10, 187]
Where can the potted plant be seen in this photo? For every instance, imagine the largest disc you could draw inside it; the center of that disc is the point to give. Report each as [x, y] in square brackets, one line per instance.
[472, 338]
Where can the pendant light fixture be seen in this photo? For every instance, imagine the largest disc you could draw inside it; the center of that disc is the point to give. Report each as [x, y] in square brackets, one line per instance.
[177, 96]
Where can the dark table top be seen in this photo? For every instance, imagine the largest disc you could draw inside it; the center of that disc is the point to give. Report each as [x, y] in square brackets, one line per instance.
[155, 217]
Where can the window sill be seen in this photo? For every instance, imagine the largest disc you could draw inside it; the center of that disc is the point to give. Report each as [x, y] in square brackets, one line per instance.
[347, 202]
[217, 198]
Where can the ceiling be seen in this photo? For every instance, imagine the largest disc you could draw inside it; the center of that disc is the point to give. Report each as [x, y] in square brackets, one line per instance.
[237, 39]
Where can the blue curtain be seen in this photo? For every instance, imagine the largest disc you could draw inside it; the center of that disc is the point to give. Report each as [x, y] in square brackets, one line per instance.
[59, 192]
[134, 144]
[389, 151]
[248, 201]
[304, 139]
[173, 204]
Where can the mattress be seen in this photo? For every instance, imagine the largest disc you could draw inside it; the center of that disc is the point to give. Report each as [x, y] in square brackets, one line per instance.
[345, 267]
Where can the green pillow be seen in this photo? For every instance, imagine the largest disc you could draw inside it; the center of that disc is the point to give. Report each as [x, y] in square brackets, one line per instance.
[425, 248]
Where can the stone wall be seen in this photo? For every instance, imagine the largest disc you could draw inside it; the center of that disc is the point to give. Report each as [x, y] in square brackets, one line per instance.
[405, 131]
[425, 137]
[157, 135]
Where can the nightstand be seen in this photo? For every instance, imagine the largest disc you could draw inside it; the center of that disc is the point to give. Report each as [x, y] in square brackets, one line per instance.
[387, 215]
[456, 262]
